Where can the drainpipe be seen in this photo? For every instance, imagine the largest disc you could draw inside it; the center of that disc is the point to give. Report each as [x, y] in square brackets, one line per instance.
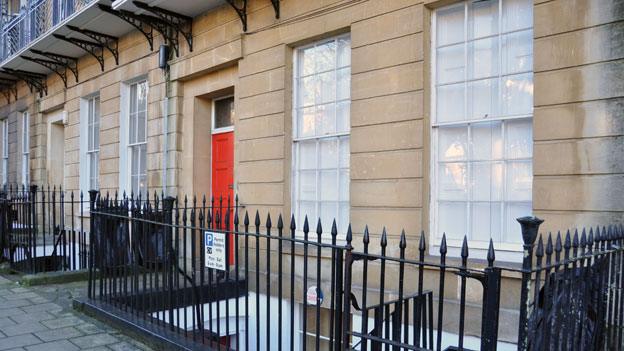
[163, 57]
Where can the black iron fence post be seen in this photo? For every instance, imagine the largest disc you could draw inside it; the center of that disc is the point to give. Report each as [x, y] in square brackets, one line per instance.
[92, 197]
[491, 302]
[169, 254]
[530, 227]
[346, 314]
[32, 227]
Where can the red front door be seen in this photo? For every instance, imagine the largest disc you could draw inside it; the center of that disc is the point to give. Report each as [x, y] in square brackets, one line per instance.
[223, 180]
[223, 166]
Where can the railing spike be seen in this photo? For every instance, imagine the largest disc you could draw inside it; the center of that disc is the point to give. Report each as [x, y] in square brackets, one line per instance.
[558, 244]
[366, 238]
[464, 248]
[549, 245]
[268, 221]
[583, 238]
[334, 228]
[349, 236]
[384, 238]
[402, 240]
[491, 254]
[539, 251]
[306, 226]
[257, 220]
[280, 222]
[293, 225]
[575, 239]
[319, 227]
[422, 245]
[443, 248]
[568, 241]
[246, 219]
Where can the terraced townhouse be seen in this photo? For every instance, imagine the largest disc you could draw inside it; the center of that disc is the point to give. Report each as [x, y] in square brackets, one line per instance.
[442, 116]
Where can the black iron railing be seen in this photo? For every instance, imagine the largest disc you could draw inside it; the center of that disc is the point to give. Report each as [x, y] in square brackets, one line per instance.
[209, 274]
[43, 229]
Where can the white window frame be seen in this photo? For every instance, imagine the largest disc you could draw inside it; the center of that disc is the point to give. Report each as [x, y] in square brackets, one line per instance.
[125, 154]
[513, 250]
[85, 130]
[312, 222]
[5, 151]
[25, 148]
[214, 129]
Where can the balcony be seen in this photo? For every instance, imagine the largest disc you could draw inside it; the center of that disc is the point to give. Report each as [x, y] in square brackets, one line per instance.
[32, 23]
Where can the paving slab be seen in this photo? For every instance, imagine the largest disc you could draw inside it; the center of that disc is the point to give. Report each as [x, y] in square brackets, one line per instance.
[40, 318]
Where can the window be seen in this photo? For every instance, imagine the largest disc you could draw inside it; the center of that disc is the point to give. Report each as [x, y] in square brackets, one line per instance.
[482, 120]
[5, 151]
[321, 126]
[93, 141]
[223, 114]
[25, 148]
[137, 140]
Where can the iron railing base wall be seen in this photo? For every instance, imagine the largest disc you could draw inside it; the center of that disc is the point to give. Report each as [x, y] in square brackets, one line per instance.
[157, 337]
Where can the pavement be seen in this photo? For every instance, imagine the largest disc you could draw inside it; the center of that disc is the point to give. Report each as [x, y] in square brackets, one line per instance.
[40, 318]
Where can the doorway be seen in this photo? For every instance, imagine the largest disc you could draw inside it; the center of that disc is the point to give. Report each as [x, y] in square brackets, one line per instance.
[56, 149]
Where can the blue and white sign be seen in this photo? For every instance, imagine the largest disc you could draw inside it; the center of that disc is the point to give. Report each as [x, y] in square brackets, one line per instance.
[215, 250]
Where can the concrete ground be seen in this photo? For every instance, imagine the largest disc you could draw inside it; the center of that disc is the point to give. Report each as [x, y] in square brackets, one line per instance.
[41, 318]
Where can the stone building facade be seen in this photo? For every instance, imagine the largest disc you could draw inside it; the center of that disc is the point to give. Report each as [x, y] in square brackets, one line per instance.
[391, 94]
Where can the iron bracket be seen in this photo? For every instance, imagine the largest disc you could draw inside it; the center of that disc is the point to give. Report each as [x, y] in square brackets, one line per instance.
[35, 81]
[95, 49]
[108, 41]
[8, 86]
[242, 11]
[57, 68]
[276, 7]
[134, 20]
[181, 24]
[69, 62]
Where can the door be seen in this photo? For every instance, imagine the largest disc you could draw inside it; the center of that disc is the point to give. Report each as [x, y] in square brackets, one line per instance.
[223, 164]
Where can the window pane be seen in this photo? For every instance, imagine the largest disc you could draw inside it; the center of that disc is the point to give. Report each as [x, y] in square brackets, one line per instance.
[141, 127]
[343, 220]
[486, 221]
[133, 98]
[326, 115]
[344, 185]
[307, 154]
[328, 153]
[133, 128]
[453, 183]
[343, 111]
[307, 185]
[326, 56]
[517, 52]
[483, 58]
[450, 103]
[329, 212]
[343, 77]
[306, 122]
[307, 91]
[483, 99]
[306, 208]
[519, 181]
[224, 110]
[487, 143]
[487, 180]
[517, 95]
[517, 14]
[344, 52]
[327, 88]
[452, 219]
[450, 25]
[142, 96]
[483, 18]
[306, 61]
[512, 227]
[519, 139]
[344, 153]
[450, 63]
[136, 154]
[453, 143]
[328, 185]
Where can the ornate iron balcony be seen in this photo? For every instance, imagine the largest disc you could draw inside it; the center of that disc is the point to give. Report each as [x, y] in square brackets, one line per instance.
[35, 21]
